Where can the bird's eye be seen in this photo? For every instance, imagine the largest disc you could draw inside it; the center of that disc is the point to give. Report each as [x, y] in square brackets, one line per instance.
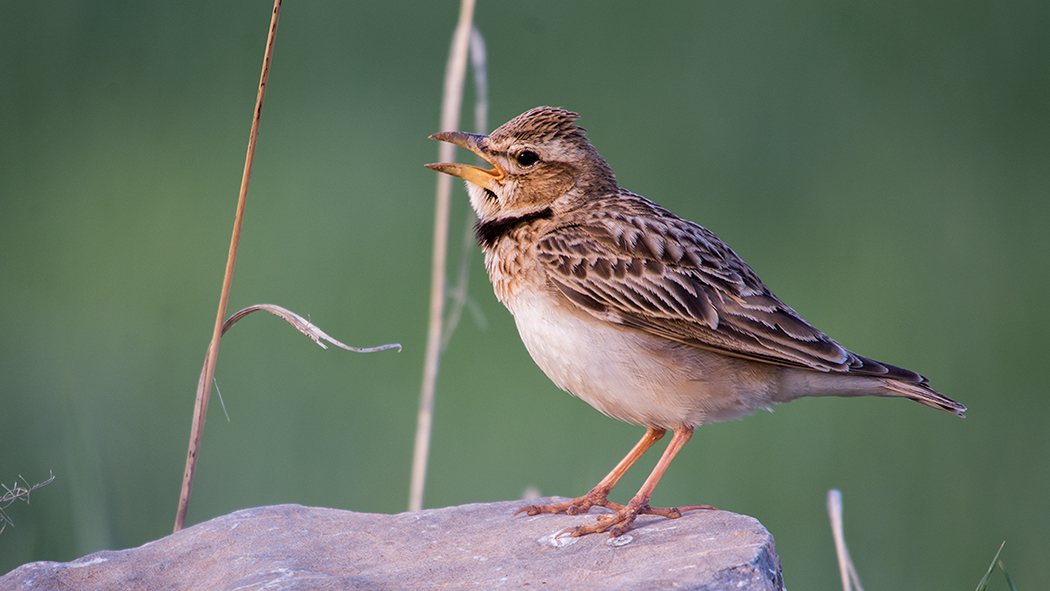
[527, 158]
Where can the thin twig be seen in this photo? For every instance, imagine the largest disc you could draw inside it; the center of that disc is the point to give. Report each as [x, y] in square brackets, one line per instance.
[451, 102]
[846, 569]
[17, 492]
[200, 409]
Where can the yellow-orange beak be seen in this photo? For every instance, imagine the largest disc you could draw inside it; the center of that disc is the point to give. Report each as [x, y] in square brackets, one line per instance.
[479, 176]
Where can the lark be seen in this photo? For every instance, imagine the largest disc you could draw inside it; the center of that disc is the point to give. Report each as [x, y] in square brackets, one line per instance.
[649, 318]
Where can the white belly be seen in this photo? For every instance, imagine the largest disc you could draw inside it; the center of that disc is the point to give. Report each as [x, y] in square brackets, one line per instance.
[633, 376]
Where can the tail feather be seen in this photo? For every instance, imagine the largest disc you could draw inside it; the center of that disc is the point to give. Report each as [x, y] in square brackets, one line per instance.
[906, 383]
[924, 394]
[889, 381]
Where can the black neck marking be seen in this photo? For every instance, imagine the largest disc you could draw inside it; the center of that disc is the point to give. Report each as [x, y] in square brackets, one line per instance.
[490, 232]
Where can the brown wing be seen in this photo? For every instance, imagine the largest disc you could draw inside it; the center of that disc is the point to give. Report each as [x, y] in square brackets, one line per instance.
[634, 263]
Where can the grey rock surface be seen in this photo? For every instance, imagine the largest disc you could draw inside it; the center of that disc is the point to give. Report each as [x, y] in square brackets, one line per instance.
[477, 546]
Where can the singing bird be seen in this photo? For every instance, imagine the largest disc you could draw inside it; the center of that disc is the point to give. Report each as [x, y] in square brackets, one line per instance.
[647, 317]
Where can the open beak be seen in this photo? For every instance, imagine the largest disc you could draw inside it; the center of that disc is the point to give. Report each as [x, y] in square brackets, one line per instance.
[472, 174]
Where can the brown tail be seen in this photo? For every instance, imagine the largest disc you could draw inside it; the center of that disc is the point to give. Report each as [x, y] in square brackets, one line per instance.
[875, 379]
[906, 383]
[922, 393]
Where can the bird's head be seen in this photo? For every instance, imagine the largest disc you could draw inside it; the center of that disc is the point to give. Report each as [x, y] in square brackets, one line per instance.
[540, 160]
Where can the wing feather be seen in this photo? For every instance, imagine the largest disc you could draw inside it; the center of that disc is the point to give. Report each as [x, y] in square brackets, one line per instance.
[631, 262]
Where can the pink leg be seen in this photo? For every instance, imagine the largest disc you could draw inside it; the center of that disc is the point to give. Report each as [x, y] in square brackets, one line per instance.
[600, 493]
[620, 522]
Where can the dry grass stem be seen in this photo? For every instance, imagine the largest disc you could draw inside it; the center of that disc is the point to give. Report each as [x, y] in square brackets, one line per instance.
[451, 103]
[304, 326]
[846, 569]
[200, 409]
[301, 324]
[458, 294]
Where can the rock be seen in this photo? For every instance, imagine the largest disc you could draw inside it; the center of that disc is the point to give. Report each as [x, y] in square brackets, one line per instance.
[477, 546]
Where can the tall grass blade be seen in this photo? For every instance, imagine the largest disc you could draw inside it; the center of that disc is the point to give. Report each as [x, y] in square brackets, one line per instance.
[200, 409]
[451, 104]
[983, 584]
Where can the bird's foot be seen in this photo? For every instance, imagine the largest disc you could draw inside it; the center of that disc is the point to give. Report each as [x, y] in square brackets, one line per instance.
[577, 506]
[622, 520]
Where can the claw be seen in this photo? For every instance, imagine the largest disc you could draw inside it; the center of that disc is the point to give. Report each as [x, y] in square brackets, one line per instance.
[617, 523]
[569, 530]
[577, 506]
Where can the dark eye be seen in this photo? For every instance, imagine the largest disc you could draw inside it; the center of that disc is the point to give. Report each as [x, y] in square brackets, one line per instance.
[527, 158]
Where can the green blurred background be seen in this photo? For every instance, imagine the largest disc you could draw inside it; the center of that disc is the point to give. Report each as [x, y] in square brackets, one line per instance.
[884, 167]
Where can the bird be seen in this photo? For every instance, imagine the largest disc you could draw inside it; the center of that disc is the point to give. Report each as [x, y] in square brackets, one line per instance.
[649, 318]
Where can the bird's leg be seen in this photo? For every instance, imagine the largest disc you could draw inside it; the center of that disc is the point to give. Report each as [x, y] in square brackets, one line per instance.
[620, 522]
[600, 493]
